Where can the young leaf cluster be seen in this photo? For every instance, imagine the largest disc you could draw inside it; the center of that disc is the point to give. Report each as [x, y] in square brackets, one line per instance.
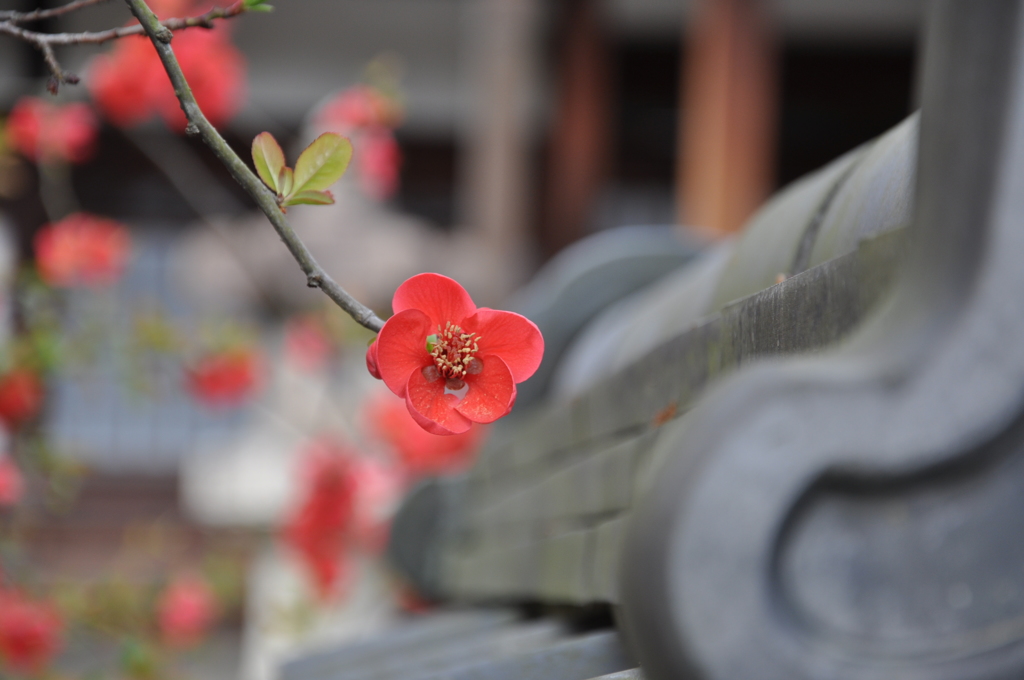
[257, 6]
[320, 165]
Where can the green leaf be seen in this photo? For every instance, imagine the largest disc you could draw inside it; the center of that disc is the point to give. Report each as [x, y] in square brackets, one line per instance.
[285, 181]
[268, 159]
[322, 163]
[310, 198]
[257, 6]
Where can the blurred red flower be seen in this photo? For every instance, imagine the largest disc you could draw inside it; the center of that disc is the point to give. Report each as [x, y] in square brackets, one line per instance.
[21, 396]
[359, 107]
[421, 452]
[125, 81]
[453, 363]
[43, 132]
[307, 344]
[130, 85]
[12, 485]
[30, 633]
[82, 249]
[322, 524]
[225, 378]
[185, 611]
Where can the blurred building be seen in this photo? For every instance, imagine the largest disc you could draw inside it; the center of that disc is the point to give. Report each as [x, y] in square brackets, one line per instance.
[540, 120]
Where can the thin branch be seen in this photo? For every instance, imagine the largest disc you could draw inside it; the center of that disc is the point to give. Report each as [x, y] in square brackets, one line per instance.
[44, 42]
[98, 37]
[172, 158]
[316, 277]
[59, 76]
[41, 14]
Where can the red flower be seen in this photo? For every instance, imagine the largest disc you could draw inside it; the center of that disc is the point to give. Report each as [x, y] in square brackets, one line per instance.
[29, 633]
[12, 485]
[21, 396]
[453, 363]
[321, 527]
[130, 85]
[82, 249]
[186, 609]
[421, 452]
[226, 378]
[44, 132]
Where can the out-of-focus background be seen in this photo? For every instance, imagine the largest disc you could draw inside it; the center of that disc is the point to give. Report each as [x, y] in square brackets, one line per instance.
[194, 394]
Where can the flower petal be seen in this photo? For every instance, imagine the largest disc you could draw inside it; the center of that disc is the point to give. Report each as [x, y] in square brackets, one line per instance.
[402, 348]
[492, 392]
[432, 408]
[371, 360]
[511, 336]
[440, 298]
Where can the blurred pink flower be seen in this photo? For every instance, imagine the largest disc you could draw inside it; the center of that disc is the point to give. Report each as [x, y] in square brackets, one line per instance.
[306, 343]
[420, 452]
[359, 107]
[186, 610]
[368, 116]
[42, 131]
[82, 249]
[30, 633]
[12, 485]
[378, 488]
[380, 160]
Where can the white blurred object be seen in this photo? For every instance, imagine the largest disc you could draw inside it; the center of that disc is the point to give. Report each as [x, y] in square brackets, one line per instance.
[283, 619]
[250, 478]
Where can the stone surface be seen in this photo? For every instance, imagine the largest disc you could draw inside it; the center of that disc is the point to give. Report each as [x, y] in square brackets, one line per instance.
[537, 520]
[853, 514]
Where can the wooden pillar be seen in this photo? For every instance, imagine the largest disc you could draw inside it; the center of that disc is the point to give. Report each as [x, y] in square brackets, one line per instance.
[500, 43]
[581, 133]
[728, 126]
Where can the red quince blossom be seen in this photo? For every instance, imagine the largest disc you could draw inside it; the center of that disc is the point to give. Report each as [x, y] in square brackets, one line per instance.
[453, 363]
[186, 610]
[421, 452]
[21, 396]
[225, 378]
[44, 132]
[12, 485]
[82, 249]
[30, 633]
[322, 525]
[130, 85]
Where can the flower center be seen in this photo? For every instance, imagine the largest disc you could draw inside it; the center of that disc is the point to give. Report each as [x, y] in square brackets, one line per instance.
[453, 353]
